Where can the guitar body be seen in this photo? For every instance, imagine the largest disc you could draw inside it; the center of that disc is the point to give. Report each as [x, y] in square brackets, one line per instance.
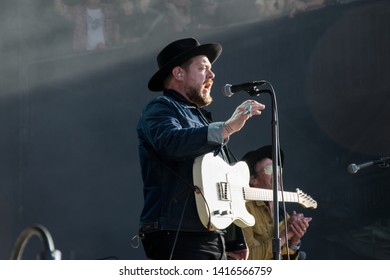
[220, 200]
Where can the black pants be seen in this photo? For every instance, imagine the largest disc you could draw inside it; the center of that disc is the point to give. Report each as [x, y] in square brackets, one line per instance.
[160, 245]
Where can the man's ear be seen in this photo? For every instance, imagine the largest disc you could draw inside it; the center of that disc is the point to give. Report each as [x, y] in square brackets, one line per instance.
[178, 73]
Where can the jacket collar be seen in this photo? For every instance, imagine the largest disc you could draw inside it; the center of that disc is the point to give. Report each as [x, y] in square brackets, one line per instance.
[177, 96]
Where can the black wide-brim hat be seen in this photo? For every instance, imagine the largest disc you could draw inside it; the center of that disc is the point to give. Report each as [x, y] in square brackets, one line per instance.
[178, 52]
[252, 157]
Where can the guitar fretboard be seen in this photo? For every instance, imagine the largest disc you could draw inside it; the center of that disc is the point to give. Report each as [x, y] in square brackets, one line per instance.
[267, 195]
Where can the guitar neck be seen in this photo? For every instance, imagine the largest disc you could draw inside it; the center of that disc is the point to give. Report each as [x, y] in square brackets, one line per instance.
[267, 195]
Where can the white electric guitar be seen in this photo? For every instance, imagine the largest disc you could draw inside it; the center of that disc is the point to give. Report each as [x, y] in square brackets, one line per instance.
[222, 191]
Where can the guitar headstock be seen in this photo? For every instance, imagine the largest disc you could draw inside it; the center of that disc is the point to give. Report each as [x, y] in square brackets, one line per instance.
[306, 200]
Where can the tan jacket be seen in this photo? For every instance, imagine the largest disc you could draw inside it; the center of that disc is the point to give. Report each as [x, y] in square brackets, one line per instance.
[259, 237]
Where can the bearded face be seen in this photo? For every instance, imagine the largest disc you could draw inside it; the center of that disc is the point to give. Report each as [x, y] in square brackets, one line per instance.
[196, 95]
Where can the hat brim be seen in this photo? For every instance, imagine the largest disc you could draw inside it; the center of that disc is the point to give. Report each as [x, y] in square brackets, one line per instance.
[252, 157]
[212, 51]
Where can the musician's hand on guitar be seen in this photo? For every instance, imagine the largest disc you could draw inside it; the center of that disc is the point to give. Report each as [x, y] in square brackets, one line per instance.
[242, 113]
[239, 254]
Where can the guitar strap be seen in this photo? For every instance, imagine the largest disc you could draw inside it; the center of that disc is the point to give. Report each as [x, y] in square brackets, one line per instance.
[226, 154]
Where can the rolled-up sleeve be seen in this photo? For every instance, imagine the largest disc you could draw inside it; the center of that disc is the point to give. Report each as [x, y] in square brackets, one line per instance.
[214, 134]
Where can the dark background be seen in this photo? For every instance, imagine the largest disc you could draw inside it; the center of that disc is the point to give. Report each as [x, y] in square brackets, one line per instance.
[68, 146]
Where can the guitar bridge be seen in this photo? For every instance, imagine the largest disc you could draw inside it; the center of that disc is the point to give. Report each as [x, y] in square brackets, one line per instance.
[223, 191]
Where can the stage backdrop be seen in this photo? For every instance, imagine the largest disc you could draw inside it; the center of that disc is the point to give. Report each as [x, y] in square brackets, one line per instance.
[69, 148]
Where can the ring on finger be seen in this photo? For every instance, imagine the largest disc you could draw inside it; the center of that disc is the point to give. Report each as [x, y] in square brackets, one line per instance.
[248, 109]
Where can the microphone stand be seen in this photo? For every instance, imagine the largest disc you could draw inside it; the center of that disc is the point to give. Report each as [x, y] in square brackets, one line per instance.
[276, 247]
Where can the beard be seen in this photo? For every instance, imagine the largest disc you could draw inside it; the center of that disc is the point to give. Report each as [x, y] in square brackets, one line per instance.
[195, 96]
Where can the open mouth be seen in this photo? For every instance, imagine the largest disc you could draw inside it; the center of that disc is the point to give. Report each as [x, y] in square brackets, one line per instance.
[208, 85]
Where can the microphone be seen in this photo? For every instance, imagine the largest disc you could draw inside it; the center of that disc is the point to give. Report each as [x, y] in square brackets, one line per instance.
[353, 168]
[228, 90]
